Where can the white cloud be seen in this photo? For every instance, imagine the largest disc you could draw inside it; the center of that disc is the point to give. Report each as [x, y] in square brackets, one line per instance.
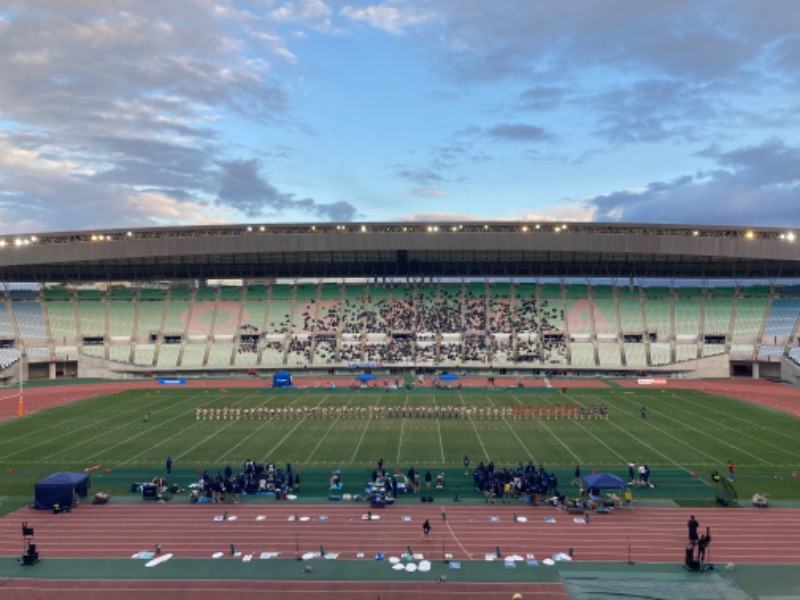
[392, 17]
[427, 192]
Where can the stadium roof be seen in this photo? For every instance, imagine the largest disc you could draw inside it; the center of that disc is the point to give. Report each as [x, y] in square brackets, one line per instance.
[496, 249]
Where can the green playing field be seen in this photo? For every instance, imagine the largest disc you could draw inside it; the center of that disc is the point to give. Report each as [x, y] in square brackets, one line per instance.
[684, 432]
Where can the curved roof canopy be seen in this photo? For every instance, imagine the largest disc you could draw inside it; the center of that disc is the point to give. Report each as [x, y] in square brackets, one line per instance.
[496, 249]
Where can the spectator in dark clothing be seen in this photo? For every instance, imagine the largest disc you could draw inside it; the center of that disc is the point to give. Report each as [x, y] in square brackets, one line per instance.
[693, 526]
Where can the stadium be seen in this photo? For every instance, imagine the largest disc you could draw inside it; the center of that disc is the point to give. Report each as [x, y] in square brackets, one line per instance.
[554, 344]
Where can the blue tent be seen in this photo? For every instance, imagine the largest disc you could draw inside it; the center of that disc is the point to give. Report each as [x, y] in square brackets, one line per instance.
[604, 481]
[366, 377]
[61, 488]
[282, 379]
[449, 377]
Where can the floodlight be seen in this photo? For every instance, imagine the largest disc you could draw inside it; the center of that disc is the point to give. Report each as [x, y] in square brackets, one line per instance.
[790, 236]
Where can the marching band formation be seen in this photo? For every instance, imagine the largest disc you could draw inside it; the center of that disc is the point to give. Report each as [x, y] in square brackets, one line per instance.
[473, 411]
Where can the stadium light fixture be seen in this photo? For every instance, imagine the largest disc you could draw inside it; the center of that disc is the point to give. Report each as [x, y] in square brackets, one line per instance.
[486, 227]
[564, 227]
[34, 238]
[363, 229]
[17, 242]
[262, 228]
[749, 235]
[695, 233]
[524, 229]
[538, 226]
[557, 229]
[249, 229]
[108, 238]
[3, 243]
[790, 236]
[130, 234]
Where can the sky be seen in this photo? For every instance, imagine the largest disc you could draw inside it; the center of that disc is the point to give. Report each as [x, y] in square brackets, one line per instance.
[135, 113]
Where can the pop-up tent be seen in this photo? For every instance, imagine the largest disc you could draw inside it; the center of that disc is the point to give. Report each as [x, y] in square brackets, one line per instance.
[449, 377]
[61, 488]
[282, 379]
[604, 481]
[364, 377]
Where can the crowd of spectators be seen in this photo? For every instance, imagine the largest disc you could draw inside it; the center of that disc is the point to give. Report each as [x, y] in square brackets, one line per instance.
[515, 483]
[439, 323]
[254, 478]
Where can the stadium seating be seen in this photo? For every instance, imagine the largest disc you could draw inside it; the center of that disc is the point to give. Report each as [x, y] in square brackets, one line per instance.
[29, 319]
[782, 317]
[446, 324]
[6, 327]
[749, 317]
[61, 316]
[608, 354]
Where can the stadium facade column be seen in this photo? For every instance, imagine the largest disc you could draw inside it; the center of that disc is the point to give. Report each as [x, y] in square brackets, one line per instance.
[755, 370]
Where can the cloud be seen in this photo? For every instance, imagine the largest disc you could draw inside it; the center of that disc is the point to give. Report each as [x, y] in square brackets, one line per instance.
[116, 117]
[757, 184]
[427, 192]
[441, 216]
[518, 132]
[391, 17]
[243, 187]
[422, 176]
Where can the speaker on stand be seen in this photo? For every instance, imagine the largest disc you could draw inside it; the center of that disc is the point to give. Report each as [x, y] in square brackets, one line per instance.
[31, 556]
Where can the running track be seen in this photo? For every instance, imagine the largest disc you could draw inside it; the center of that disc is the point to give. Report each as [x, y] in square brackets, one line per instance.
[746, 535]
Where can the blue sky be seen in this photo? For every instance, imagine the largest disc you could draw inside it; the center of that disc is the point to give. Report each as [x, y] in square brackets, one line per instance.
[115, 115]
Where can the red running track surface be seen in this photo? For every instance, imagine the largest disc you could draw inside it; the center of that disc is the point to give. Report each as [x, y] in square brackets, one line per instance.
[189, 531]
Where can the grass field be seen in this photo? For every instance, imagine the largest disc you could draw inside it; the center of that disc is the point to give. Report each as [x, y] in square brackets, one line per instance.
[684, 432]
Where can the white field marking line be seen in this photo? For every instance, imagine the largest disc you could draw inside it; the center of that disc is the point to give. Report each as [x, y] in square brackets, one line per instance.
[460, 545]
[521, 443]
[439, 430]
[178, 456]
[475, 429]
[180, 415]
[293, 429]
[669, 435]
[331, 428]
[558, 439]
[92, 425]
[364, 433]
[205, 439]
[681, 423]
[596, 438]
[741, 432]
[643, 443]
[255, 431]
[402, 428]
